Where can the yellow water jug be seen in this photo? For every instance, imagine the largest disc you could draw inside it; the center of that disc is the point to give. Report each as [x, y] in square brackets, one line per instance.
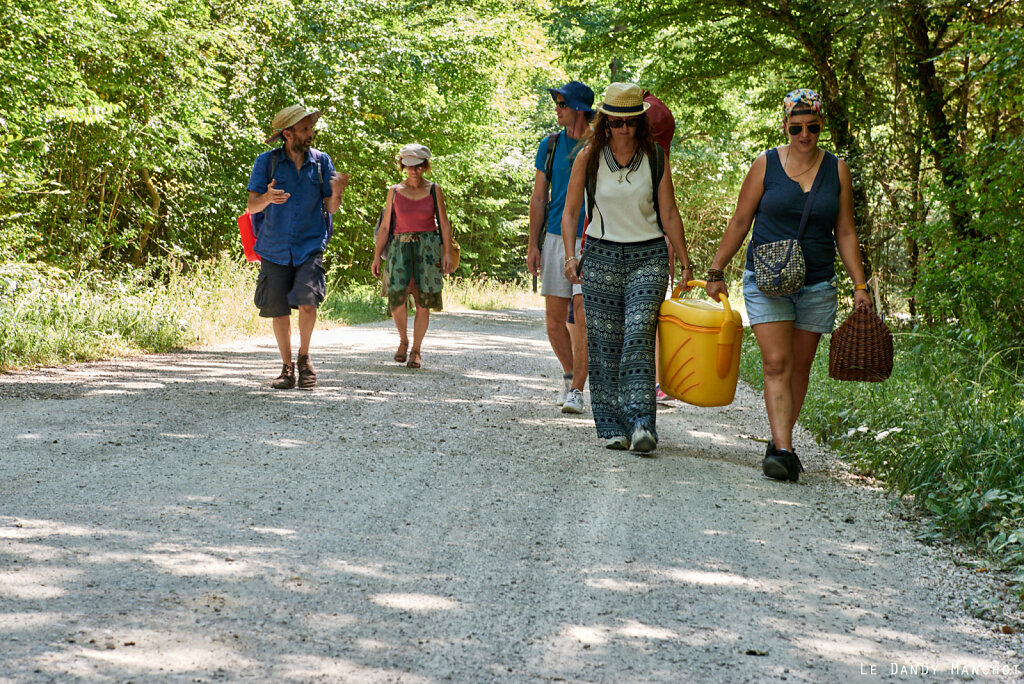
[699, 349]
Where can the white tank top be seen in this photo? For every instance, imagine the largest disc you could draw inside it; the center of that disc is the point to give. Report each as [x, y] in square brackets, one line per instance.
[624, 209]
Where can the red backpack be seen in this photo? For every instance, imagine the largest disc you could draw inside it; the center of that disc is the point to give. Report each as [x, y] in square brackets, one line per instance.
[663, 124]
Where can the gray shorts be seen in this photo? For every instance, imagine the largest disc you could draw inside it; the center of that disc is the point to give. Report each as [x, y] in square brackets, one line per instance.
[552, 269]
[279, 289]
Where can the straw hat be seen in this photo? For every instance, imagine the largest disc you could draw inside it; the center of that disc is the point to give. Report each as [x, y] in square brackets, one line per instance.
[624, 99]
[288, 117]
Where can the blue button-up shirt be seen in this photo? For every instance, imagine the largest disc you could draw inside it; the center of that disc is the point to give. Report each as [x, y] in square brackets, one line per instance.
[291, 233]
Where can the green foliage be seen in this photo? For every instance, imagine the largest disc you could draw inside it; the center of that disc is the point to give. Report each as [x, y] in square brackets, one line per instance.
[138, 130]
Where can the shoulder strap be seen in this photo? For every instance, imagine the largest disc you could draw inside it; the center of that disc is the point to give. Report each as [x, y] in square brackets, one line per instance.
[437, 214]
[319, 159]
[274, 158]
[657, 171]
[590, 191]
[549, 160]
[394, 195]
[810, 197]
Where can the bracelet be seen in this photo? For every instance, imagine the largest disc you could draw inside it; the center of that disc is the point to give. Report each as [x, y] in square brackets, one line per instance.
[572, 258]
[715, 275]
[860, 286]
[687, 267]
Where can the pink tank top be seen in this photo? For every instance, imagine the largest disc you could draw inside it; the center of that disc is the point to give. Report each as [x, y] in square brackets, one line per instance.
[414, 216]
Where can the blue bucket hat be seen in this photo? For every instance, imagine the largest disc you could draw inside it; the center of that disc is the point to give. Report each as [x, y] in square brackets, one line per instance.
[578, 96]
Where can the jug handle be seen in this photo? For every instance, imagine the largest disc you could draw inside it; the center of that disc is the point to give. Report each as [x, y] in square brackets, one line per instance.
[726, 334]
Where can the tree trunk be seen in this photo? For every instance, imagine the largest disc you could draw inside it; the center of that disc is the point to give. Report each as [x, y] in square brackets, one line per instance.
[147, 227]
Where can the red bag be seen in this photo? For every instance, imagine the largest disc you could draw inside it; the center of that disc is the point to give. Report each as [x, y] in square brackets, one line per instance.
[248, 236]
[663, 124]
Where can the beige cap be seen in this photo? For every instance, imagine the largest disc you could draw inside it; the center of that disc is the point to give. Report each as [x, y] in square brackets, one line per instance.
[288, 117]
[414, 154]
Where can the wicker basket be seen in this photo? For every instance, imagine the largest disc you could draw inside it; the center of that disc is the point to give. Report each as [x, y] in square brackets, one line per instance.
[861, 348]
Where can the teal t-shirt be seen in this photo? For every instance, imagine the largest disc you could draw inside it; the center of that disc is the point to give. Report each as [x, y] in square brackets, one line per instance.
[561, 169]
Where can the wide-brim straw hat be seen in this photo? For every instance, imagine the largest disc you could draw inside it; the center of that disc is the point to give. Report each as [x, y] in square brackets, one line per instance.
[624, 99]
[288, 117]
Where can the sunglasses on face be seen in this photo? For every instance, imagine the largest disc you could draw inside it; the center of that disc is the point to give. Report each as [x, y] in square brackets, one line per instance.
[619, 123]
[561, 104]
[812, 128]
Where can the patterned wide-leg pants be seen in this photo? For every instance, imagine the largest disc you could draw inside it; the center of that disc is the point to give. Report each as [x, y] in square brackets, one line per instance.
[623, 288]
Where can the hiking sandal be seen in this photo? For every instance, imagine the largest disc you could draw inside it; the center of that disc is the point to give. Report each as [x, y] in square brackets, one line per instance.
[414, 359]
[400, 355]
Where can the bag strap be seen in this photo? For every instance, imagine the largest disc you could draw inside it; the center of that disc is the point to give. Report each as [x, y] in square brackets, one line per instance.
[590, 190]
[394, 195]
[437, 214]
[657, 171]
[549, 165]
[549, 159]
[810, 198]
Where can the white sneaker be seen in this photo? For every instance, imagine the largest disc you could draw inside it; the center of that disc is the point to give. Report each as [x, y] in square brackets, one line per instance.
[619, 443]
[573, 402]
[643, 440]
[563, 393]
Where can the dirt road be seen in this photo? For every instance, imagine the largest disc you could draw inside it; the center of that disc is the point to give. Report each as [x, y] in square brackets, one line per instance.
[169, 518]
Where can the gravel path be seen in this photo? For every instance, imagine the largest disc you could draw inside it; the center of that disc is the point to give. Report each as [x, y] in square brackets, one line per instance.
[170, 518]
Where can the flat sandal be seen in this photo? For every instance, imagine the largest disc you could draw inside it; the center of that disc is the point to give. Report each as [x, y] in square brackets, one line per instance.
[414, 359]
[400, 355]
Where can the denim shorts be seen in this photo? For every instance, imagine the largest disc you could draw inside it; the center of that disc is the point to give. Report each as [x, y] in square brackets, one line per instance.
[811, 308]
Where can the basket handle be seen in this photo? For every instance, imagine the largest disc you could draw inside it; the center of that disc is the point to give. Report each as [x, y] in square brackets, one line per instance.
[726, 333]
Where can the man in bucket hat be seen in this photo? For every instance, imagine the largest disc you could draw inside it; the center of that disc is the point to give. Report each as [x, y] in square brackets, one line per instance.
[293, 190]
[546, 254]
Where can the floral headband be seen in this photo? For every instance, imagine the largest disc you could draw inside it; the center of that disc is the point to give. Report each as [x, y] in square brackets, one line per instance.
[808, 98]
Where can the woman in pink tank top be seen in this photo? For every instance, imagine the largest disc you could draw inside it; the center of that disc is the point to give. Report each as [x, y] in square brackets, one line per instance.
[419, 255]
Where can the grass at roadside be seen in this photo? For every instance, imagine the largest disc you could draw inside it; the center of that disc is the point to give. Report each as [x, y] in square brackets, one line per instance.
[49, 316]
[947, 429]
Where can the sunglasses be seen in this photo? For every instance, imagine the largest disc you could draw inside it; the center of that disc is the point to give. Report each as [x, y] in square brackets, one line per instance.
[562, 104]
[619, 123]
[812, 128]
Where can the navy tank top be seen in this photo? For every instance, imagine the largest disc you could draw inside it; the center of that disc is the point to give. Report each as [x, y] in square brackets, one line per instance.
[782, 204]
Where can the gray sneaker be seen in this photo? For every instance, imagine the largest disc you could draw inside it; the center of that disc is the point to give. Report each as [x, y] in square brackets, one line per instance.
[563, 393]
[643, 441]
[618, 443]
[573, 402]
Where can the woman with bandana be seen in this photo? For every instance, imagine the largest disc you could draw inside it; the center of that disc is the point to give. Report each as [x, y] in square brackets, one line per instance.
[788, 327]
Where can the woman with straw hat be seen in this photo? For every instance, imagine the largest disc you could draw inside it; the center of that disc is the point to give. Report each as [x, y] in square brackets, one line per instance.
[416, 220]
[786, 186]
[631, 207]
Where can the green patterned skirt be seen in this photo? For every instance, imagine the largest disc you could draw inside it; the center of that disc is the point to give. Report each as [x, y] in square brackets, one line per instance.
[414, 266]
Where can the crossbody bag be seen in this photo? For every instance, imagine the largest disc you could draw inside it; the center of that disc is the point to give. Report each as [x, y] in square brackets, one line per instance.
[779, 267]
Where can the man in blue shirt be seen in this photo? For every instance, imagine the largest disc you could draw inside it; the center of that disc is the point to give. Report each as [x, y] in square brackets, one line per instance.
[293, 189]
[573, 103]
